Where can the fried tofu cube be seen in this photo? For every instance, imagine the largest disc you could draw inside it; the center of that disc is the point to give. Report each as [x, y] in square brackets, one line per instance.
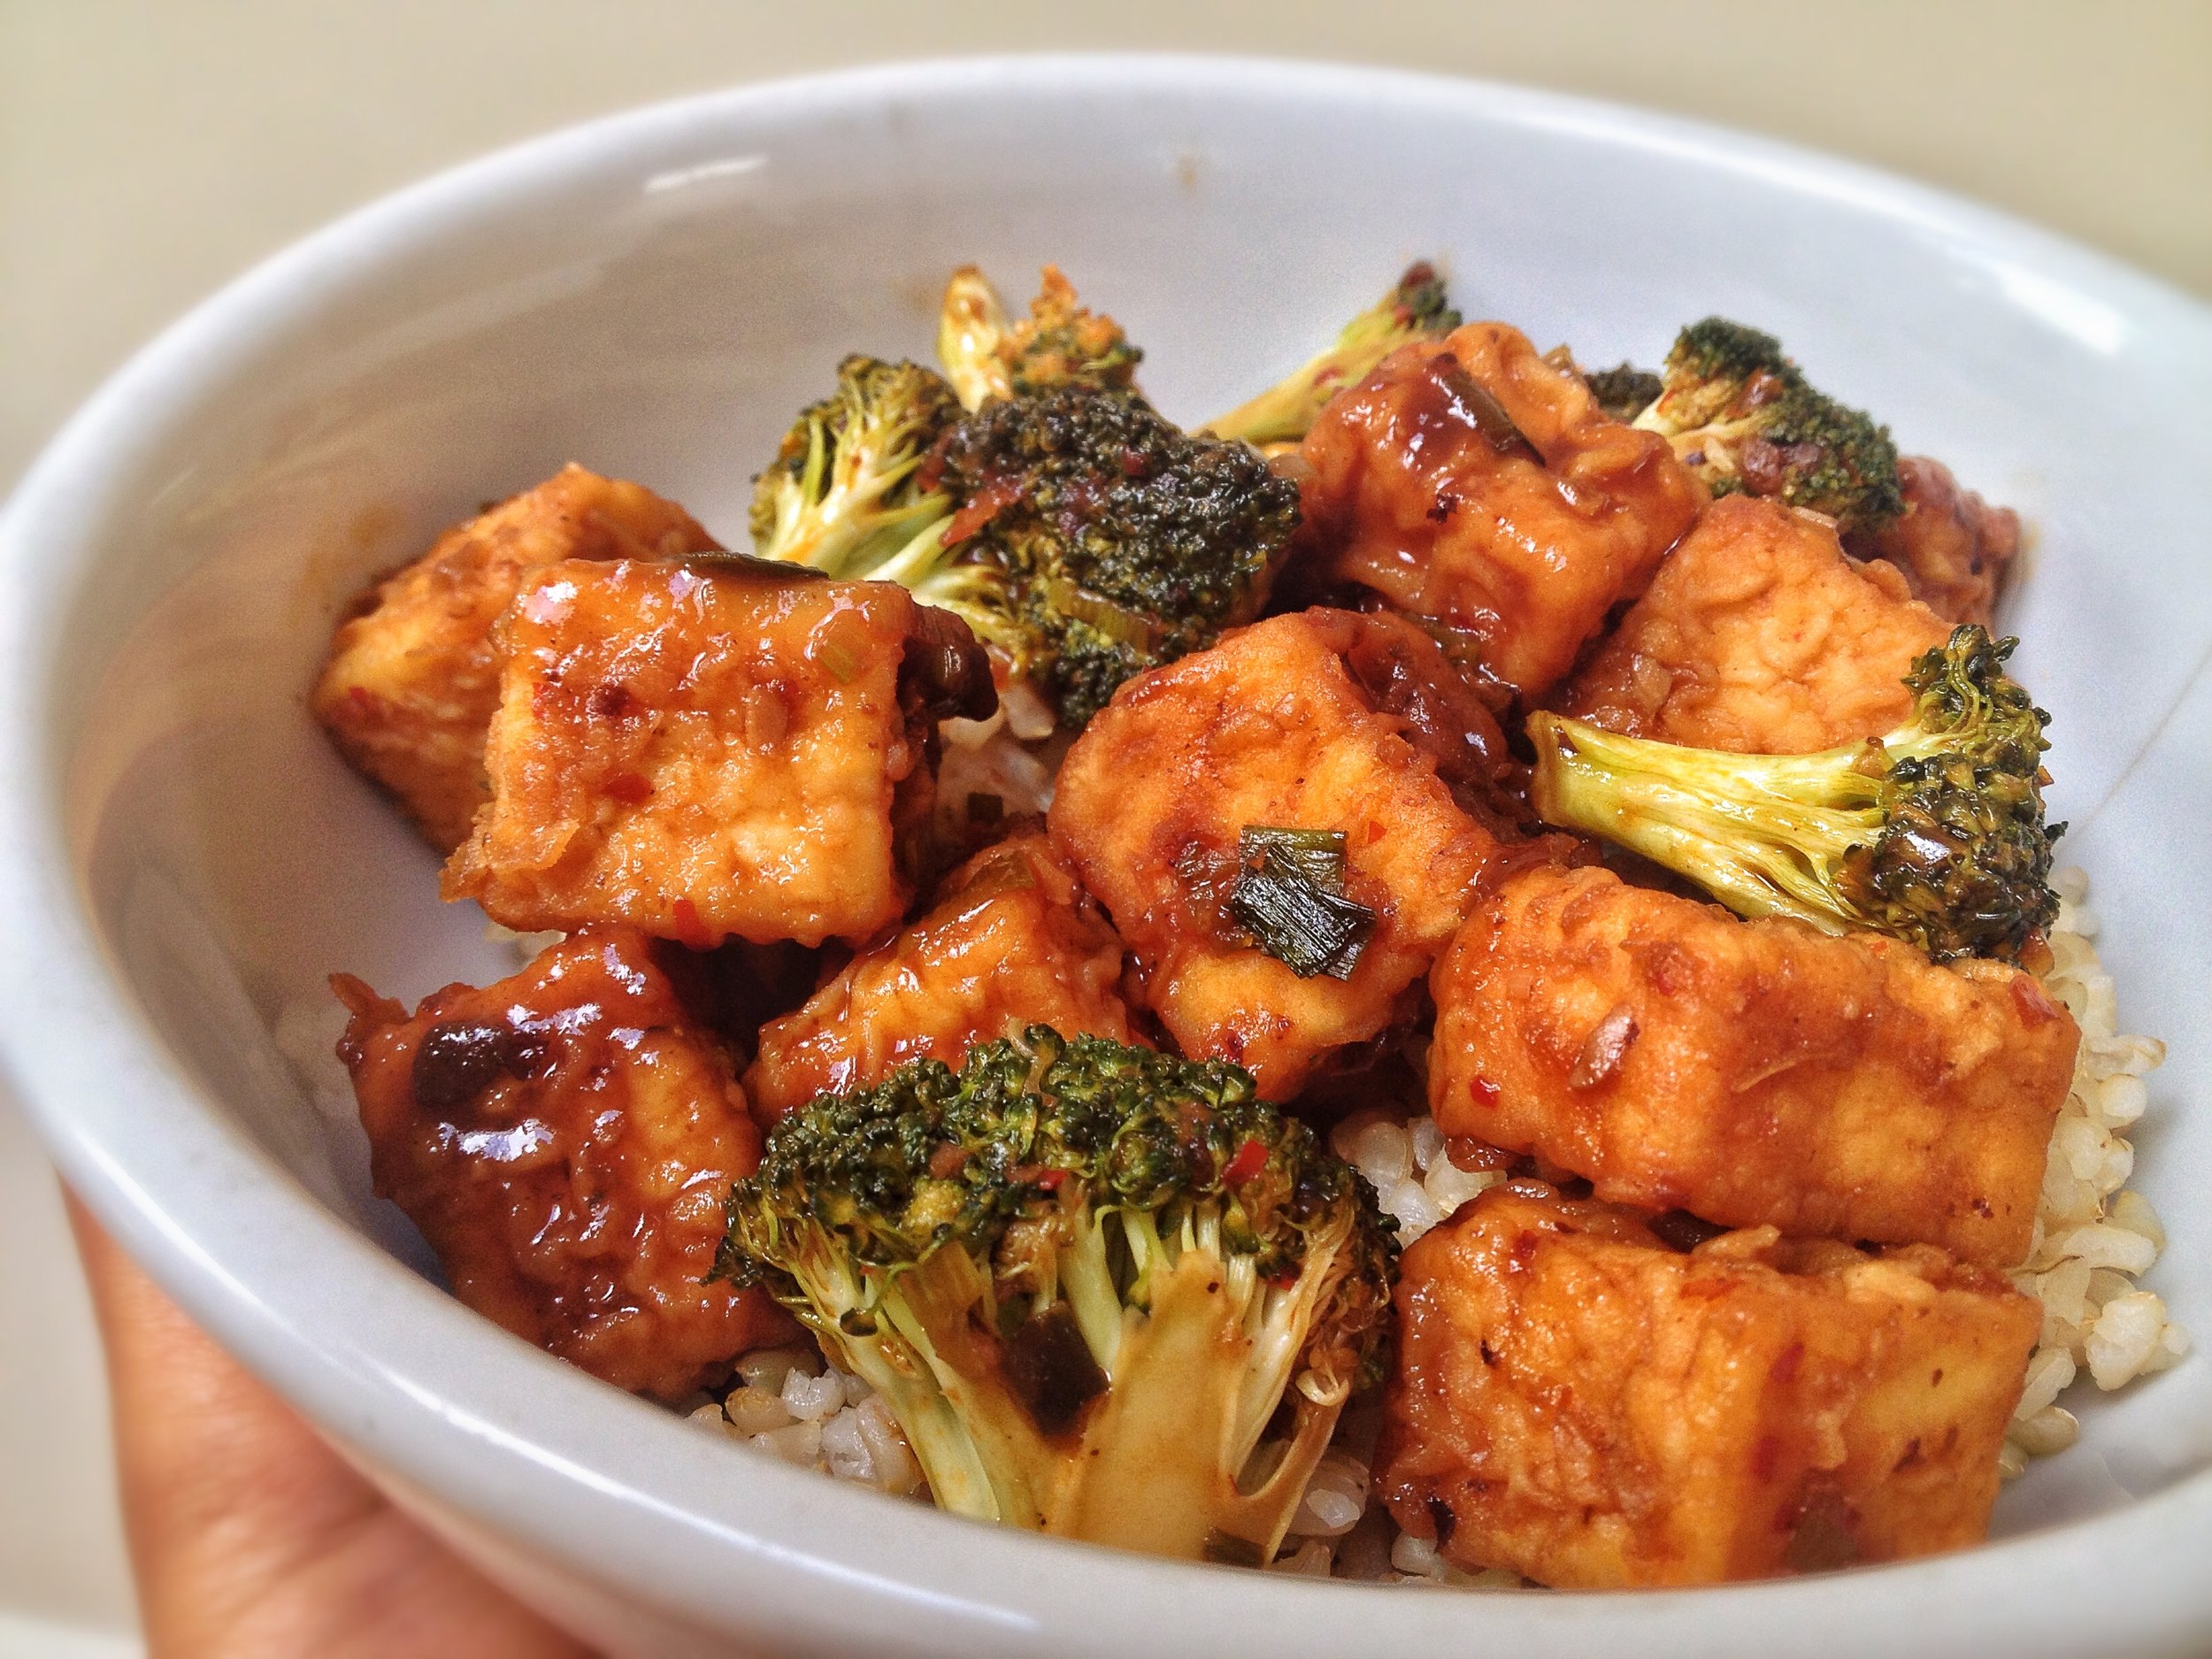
[1750, 1072]
[566, 1140]
[1473, 482]
[1952, 547]
[1759, 636]
[709, 749]
[1012, 942]
[412, 678]
[1578, 1403]
[1273, 728]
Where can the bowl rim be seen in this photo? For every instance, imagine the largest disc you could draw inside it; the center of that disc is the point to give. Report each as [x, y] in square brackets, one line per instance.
[511, 1439]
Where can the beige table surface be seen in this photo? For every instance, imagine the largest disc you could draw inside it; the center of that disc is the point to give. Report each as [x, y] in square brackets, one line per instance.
[150, 151]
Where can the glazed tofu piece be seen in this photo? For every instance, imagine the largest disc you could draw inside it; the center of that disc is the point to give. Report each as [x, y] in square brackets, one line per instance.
[1952, 547]
[413, 677]
[1276, 727]
[566, 1140]
[1578, 1403]
[1750, 1072]
[1477, 484]
[1011, 942]
[712, 749]
[1759, 636]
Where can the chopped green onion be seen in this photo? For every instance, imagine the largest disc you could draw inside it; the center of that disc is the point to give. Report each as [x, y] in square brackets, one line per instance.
[1289, 897]
[1124, 627]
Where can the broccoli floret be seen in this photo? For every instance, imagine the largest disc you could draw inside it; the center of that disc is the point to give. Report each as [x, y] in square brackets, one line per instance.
[1933, 833]
[1417, 309]
[841, 495]
[1127, 542]
[1624, 392]
[846, 495]
[1085, 1277]
[1742, 415]
[1059, 343]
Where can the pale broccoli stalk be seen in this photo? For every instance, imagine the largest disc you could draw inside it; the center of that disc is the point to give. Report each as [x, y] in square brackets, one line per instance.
[1084, 1277]
[1933, 833]
[1417, 309]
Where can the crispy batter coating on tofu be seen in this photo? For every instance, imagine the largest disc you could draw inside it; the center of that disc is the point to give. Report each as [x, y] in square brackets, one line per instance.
[1580, 1403]
[1759, 635]
[713, 748]
[1423, 491]
[412, 678]
[1012, 942]
[1750, 1072]
[1277, 726]
[564, 1139]
[1953, 547]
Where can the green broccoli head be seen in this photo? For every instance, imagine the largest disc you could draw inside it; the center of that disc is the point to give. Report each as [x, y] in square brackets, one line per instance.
[1059, 343]
[1743, 417]
[1417, 309]
[1085, 1277]
[1129, 542]
[1933, 833]
[1624, 392]
[842, 495]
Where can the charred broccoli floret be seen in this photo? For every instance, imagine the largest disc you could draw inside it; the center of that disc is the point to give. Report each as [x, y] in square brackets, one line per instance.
[1742, 415]
[1933, 833]
[1624, 392]
[1059, 343]
[1085, 1277]
[1126, 543]
[1417, 309]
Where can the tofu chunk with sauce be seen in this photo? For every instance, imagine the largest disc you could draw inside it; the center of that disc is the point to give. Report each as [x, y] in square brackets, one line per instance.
[1759, 636]
[1325, 721]
[1475, 483]
[1953, 548]
[1750, 1072]
[412, 678]
[1012, 942]
[566, 1140]
[712, 749]
[1577, 1401]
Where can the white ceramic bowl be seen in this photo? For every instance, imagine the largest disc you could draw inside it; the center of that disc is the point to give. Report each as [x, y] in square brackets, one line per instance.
[180, 858]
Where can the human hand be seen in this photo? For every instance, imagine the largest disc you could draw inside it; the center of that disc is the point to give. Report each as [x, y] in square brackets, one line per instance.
[249, 1538]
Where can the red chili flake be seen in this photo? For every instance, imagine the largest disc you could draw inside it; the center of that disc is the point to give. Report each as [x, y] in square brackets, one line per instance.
[1483, 1090]
[1051, 1180]
[1250, 1159]
[2033, 1002]
[612, 701]
[1786, 1363]
[1764, 1457]
[365, 700]
[946, 1161]
[629, 786]
[691, 927]
[1283, 1277]
[982, 507]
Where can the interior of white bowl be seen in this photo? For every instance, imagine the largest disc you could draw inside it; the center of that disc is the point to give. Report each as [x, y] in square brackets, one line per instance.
[654, 297]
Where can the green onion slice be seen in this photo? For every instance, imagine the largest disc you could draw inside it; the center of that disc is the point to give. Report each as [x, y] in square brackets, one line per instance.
[1289, 897]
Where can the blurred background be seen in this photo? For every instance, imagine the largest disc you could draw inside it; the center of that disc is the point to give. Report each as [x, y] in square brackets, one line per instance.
[150, 151]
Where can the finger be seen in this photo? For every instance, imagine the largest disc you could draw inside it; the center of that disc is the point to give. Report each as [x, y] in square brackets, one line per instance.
[249, 1536]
